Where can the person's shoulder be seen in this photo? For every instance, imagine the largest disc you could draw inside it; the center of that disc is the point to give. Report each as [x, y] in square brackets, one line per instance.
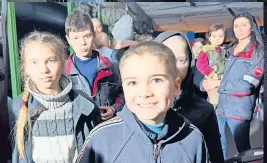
[15, 103]
[110, 128]
[101, 135]
[203, 106]
[208, 47]
[188, 132]
[194, 139]
[14, 108]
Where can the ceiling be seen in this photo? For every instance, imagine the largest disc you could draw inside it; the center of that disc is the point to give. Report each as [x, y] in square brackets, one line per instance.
[184, 17]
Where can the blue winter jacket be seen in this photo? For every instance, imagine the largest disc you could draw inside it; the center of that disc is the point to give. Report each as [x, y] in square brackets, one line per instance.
[121, 139]
[241, 82]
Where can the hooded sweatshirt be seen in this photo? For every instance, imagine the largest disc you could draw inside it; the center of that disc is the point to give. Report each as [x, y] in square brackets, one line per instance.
[197, 110]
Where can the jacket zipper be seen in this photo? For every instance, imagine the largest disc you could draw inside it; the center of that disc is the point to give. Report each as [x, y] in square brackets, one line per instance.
[156, 152]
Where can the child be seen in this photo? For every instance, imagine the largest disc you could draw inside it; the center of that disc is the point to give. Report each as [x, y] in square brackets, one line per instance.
[50, 120]
[211, 60]
[146, 130]
[93, 74]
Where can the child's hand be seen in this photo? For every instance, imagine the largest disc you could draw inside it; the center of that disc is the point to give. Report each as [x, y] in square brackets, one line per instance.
[215, 77]
[106, 112]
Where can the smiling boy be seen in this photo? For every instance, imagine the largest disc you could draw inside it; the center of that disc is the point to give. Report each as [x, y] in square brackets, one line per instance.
[146, 130]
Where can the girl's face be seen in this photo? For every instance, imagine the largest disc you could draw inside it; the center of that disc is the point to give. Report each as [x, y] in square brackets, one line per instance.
[43, 66]
[196, 49]
[242, 28]
[217, 37]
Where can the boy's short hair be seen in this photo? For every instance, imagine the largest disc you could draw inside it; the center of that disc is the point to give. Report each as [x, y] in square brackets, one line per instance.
[78, 21]
[155, 49]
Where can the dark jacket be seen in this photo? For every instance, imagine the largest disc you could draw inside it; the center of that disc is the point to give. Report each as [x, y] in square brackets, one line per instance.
[183, 143]
[107, 87]
[241, 83]
[197, 78]
[86, 116]
[200, 112]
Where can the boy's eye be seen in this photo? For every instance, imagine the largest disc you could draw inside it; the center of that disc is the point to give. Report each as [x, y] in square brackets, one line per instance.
[87, 36]
[131, 83]
[156, 80]
[75, 38]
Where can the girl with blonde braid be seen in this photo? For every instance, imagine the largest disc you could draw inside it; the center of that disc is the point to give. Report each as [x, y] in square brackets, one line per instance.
[50, 120]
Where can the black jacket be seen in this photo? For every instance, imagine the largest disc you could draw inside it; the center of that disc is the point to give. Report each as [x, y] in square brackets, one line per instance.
[198, 77]
[197, 110]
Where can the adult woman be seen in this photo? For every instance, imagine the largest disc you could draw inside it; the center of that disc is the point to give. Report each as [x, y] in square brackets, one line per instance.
[240, 85]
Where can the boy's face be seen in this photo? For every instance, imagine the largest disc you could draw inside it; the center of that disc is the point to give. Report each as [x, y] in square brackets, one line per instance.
[43, 66]
[178, 47]
[81, 42]
[149, 87]
[217, 37]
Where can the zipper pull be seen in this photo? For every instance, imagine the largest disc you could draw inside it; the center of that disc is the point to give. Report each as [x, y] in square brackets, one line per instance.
[156, 153]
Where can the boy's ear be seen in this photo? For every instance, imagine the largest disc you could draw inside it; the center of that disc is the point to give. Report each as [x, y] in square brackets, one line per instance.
[177, 85]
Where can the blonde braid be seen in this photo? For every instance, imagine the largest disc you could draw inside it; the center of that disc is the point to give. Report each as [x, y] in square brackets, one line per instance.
[23, 119]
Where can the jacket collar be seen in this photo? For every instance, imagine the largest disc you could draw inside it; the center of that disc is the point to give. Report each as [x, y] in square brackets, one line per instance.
[81, 104]
[176, 124]
[71, 68]
[246, 52]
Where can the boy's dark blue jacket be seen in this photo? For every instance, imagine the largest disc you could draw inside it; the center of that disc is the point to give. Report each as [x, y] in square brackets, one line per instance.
[107, 87]
[122, 139]
[197, 110]
[86, 116]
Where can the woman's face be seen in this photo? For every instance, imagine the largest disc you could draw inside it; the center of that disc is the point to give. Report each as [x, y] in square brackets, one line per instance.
[242, 28]
[179, 47]
[196, 49]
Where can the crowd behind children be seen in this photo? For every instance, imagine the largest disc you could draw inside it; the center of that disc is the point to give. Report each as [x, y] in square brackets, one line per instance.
[135, 99]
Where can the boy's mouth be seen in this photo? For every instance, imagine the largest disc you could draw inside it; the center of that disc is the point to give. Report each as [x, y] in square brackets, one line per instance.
[147, 105]
[84, 50]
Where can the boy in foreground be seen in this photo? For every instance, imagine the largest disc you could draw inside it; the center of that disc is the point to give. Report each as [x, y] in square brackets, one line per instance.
[146, 130]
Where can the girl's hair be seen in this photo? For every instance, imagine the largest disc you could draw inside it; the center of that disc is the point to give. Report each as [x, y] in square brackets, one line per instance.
[23, 124]
[256, 37]
[213, 28]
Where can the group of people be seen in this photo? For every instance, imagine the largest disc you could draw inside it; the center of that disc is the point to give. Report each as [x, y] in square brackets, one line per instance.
[90, 108]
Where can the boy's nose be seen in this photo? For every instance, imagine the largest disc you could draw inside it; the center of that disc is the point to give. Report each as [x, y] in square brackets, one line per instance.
[83, 42]
[145, 92]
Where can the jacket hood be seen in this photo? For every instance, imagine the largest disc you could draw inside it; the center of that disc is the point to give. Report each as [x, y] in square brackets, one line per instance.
[187, 85]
